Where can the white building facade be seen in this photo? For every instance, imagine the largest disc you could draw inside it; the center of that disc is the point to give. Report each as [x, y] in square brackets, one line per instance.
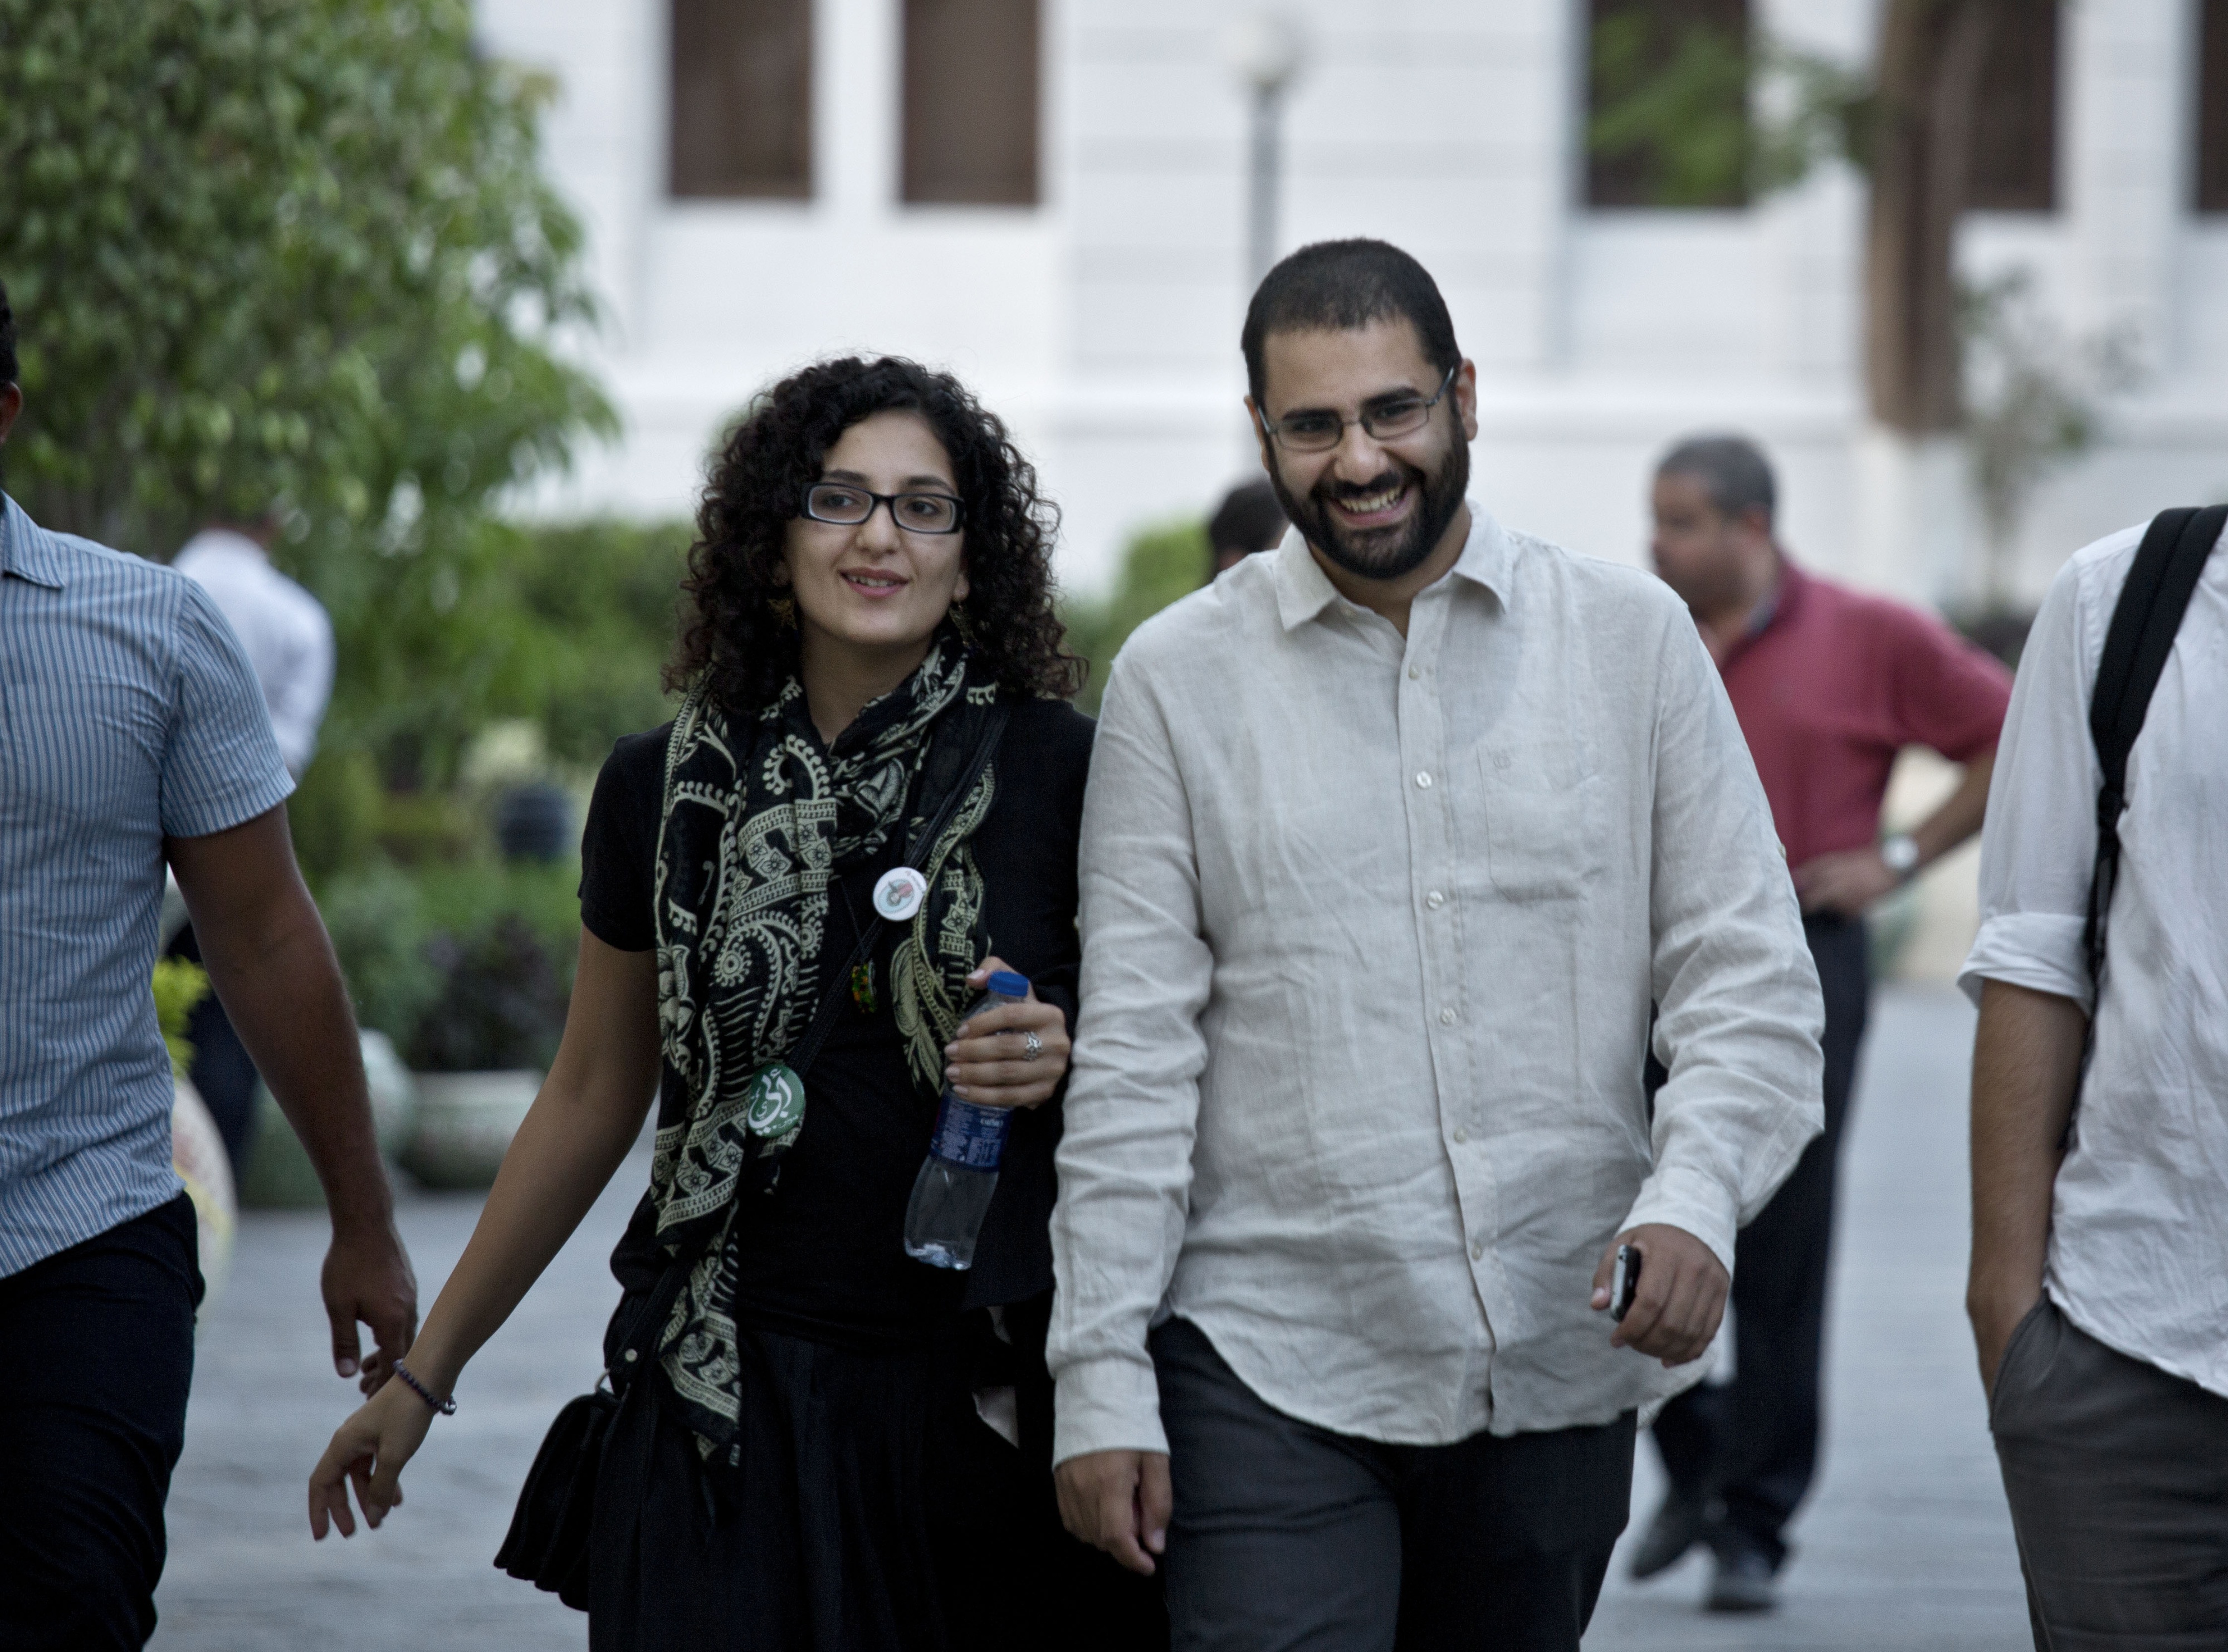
[1101, 318]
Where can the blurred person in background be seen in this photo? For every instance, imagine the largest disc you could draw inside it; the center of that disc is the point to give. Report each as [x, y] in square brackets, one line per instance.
[289, 642]
[801, 1460]
[1829, 685]
[1356, 1129]
[284, 631]
[1248, 520]
[2100, 1120]
[135, 735]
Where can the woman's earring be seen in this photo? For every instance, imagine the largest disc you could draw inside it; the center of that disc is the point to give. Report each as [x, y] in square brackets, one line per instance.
[785, 611]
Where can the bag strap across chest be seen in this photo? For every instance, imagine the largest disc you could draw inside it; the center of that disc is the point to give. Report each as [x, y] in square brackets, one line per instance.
[2144, 621]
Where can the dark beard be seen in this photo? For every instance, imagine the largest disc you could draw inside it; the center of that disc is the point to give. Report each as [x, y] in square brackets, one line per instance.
[1386, 555]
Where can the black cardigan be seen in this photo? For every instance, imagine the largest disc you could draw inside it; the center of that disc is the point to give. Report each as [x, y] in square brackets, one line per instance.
[822, 1257]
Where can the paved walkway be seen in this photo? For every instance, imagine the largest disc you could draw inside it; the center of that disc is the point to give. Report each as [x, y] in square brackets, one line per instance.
[1905, 1544]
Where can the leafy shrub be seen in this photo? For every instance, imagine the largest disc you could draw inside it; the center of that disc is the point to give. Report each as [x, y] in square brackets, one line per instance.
[565, 627]
[1158, 566]
[179, 985]
[500, 1003]
[468, 963]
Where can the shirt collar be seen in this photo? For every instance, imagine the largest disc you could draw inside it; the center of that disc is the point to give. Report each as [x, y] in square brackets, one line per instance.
[1787, 593]
[1776, 608]
[25, 550]
[1304, 591]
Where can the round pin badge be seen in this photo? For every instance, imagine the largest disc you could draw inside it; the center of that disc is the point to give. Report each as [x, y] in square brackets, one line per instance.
[899, 892]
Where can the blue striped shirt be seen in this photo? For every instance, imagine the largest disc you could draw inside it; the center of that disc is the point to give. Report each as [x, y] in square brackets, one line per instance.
[128, 713]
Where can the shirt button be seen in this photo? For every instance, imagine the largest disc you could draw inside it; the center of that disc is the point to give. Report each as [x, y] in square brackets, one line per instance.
[1461, 1135]
[1446, 1018]
[1423, 780]
[1435, 900]
[1415, 671]
[1477, 1251]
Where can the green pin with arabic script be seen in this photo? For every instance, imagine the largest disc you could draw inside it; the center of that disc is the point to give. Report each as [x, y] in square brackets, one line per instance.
[777, 1102]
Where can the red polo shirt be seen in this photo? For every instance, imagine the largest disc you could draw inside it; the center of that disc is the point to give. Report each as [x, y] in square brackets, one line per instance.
[1833, 685]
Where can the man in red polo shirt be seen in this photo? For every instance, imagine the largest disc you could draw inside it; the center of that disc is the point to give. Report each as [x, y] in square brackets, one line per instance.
[1829, 684]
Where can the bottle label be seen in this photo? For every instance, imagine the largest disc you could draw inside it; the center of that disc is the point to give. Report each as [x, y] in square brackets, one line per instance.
[969, 1136]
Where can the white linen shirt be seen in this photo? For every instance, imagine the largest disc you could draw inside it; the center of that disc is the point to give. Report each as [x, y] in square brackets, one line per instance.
[288, 638]
[1371, 928]
[2139, 1216]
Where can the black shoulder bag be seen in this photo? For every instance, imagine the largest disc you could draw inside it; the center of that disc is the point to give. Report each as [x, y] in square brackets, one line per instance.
[547, 1543]
[2144, 621]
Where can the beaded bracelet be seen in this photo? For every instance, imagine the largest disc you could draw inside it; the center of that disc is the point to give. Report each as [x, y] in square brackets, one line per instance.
[445, 1407]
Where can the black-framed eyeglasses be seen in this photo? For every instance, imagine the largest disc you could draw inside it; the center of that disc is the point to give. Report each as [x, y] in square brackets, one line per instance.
[1317, 430]
[848, 506]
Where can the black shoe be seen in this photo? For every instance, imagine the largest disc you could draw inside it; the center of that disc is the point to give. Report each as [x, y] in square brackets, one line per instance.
[1678, 1525]
[1744, 1581]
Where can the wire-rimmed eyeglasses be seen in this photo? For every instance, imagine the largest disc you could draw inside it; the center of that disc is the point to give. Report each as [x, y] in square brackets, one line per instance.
[848, 506]
[1317, 430]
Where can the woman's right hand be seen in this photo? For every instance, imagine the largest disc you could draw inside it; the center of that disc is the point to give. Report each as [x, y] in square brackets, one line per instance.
[370, 1448]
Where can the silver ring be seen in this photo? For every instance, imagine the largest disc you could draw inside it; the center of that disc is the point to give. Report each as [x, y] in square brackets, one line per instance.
[1032, 1047]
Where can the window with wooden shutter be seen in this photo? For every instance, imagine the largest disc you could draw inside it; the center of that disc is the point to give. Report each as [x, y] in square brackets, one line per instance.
[1667, 103]
[971, 102]
[2014, 166]
[742, 98]
[2211, 167]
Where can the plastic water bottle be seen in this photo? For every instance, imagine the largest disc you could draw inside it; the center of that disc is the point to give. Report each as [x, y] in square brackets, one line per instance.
[951, 1194]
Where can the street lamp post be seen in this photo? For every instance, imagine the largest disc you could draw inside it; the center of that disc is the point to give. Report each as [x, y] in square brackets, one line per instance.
[1265, 50]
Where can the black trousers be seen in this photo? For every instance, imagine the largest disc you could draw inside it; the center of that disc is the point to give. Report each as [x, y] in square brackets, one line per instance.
[1751, 1444]
[1286, 1535]
[96, 1354]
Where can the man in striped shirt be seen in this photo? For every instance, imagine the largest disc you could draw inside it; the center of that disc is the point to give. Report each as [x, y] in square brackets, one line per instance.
[133, 733]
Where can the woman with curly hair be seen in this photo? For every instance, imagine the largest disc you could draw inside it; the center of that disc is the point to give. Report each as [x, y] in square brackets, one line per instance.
[868, 802]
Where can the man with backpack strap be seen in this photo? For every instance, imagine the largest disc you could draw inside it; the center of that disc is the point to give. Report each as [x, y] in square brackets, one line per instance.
[2099, 1284]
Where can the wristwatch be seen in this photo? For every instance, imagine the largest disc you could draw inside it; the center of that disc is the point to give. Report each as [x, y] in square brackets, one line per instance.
[1898, 853]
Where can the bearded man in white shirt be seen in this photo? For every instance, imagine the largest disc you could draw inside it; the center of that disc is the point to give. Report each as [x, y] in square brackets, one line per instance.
[2099, 1284]
[1393, 838]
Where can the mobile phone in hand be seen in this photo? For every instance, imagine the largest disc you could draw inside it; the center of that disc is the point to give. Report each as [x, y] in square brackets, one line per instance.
[1623, 1282]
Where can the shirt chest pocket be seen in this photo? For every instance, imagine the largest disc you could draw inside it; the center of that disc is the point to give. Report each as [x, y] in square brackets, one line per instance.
[1543, 829]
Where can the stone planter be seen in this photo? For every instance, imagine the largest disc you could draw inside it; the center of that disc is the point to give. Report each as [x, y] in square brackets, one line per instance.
[276, 1173]
[465, 1121]
[393, 1094]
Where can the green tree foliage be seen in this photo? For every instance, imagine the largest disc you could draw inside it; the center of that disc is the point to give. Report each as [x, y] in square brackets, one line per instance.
[291, 255]
[1689, 113]
[278, 250]
[1669, 126]
[1158, 566]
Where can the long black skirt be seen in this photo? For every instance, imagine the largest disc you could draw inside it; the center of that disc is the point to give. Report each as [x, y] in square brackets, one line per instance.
[865, 1508]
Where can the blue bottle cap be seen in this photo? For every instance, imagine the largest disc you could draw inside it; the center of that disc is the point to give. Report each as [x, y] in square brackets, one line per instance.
[1007, 983]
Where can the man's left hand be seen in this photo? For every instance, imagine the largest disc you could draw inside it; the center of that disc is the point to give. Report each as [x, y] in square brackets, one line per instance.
[1846, 882]
[368, 1277]
[1681, 1301]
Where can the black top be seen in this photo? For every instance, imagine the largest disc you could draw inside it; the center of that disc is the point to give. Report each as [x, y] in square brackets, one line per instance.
[823, 1257]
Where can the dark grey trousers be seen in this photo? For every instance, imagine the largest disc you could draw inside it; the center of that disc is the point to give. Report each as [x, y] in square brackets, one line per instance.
[1289, 1538]
[2117, 1477]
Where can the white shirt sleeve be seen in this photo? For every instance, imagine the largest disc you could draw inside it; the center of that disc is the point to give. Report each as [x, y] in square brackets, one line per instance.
[1132, 1106]
[1740, 1018]
[2039, 847]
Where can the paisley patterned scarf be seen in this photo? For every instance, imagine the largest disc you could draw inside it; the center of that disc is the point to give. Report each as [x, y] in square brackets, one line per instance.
[758, 823]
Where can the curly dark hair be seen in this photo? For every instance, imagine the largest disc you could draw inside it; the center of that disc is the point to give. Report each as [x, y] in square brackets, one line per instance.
[739, 634]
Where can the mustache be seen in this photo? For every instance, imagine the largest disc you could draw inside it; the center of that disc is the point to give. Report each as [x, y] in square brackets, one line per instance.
[1343, 490]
